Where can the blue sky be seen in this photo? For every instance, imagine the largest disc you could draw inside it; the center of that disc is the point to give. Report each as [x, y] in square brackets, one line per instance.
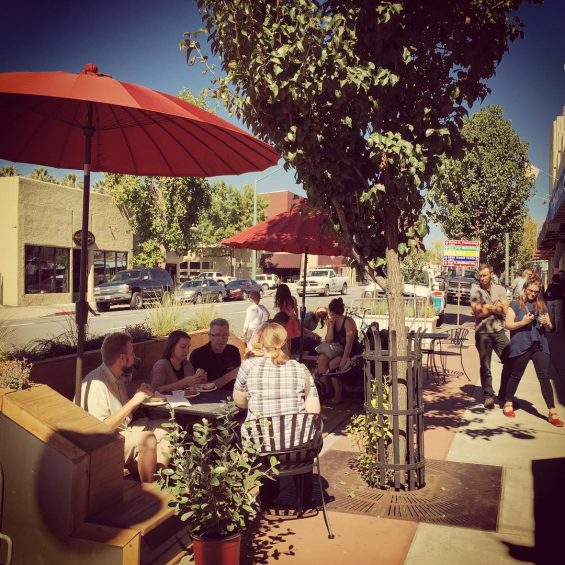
[137, 41]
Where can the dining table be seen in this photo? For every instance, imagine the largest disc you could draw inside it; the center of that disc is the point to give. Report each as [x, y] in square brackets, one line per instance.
[208, 404]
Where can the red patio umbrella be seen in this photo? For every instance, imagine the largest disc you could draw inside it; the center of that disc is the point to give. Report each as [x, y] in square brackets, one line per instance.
[90, 120]
[301, 230]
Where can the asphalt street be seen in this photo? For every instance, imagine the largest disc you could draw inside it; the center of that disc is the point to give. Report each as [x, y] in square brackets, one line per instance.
[27, 330]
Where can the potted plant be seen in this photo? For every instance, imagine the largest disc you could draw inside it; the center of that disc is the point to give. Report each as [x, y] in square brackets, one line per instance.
[214, 480]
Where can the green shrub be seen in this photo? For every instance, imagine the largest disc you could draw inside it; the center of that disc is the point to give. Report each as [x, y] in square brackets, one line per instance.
[6, 333]
[364, 431]
[214, 478]
[201, 319]
[14, 374]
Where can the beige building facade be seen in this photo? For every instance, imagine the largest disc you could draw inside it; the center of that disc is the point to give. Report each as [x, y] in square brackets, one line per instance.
[551, 241]
[39, 253]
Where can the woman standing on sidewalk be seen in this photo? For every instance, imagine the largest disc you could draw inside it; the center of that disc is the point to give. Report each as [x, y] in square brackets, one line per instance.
[528, 321]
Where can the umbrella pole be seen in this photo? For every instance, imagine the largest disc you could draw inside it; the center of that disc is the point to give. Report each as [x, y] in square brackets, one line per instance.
[303, 307]
[82, 304]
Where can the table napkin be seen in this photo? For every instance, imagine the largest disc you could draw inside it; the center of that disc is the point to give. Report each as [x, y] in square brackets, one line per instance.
[177, 399]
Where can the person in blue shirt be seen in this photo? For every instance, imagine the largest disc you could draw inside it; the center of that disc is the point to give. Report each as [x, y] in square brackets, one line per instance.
[528, 321]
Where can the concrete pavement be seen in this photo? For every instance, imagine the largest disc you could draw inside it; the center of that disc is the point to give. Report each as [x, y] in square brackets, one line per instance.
[530, 451]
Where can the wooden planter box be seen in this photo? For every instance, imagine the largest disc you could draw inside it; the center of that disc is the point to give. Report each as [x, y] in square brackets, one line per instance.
[59, 372]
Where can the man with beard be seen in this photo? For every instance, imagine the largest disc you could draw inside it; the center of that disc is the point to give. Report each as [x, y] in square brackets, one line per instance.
[488, 306]
[104, 395]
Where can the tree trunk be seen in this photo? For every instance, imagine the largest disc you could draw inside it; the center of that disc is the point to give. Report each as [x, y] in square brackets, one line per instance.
[399, 400]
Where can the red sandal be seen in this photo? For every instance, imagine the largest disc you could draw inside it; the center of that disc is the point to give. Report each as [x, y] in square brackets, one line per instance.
[554, 420]
[508, 411]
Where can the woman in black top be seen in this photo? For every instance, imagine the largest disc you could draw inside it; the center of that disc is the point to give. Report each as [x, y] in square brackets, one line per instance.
[343, 332]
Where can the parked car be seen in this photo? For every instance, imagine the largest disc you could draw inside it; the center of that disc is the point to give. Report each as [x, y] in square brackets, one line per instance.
[322, 281]
[240, 289]
[218, 277]
[268, 281]
[134, 287]
[461, 285]
[200, 290]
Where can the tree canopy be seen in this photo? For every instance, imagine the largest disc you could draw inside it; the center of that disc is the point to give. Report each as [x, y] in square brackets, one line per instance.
[43, 174]
[528, 243]
[362, 99]
[8, 171]
[230, 212]
[162, 211]
[482, 194]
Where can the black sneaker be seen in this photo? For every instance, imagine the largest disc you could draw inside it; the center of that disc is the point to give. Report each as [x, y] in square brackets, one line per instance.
[489, 402]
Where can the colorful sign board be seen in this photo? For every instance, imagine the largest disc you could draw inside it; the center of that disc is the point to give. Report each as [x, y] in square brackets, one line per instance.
[461, 253]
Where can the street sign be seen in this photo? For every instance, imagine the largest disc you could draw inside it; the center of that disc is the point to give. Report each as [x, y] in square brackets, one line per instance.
[461, 253]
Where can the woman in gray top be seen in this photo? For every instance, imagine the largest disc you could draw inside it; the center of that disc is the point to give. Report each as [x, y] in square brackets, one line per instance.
[173, 371]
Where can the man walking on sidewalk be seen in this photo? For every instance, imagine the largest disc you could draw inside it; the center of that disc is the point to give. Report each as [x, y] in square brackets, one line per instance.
[489, 305]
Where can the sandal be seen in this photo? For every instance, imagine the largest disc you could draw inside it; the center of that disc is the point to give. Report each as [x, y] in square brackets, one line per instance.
[508, 411]
[554, 420]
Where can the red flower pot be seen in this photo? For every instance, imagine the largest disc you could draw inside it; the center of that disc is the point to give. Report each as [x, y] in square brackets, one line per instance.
[216, 551]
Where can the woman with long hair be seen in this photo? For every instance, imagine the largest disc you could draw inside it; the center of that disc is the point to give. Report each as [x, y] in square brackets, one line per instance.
[528, 321]
[174, 371]
[273, 385]
[285, 302]
[342, 333]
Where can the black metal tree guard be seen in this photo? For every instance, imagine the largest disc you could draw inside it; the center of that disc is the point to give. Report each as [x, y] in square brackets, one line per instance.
[381, 368]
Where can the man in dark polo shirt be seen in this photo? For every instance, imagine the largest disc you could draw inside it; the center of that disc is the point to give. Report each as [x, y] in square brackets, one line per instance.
[220, 360]
[489, 305]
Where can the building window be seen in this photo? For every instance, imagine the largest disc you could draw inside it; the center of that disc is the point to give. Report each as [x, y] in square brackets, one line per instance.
[46, 269]
[107, 264]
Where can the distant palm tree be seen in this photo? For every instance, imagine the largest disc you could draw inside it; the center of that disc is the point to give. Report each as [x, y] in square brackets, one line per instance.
[41, 173]
[8, 171]
[71, 179]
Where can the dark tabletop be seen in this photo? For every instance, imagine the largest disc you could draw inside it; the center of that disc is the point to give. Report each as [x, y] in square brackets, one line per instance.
[206, 404]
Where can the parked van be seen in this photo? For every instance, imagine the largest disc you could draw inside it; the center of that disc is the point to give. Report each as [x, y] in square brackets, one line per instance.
[268, 281]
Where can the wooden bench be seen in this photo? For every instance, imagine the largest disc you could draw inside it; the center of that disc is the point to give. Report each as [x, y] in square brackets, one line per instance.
[64, 496]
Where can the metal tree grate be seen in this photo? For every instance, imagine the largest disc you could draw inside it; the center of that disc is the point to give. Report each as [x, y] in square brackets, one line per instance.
[457, 494]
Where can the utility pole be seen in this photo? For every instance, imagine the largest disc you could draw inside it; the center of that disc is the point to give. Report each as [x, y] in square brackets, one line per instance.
[253, 251]
[507, 258]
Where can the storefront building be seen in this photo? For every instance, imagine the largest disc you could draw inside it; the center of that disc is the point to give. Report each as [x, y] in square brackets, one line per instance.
[551, 240]
[40, 248]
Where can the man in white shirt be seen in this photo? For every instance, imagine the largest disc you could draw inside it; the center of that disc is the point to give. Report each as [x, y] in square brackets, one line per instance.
[104, 395]
[255, 316]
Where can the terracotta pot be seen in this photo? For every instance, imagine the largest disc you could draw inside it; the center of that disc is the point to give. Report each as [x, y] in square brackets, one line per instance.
[216, 551]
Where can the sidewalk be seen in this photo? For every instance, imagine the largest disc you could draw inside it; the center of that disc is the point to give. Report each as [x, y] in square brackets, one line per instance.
[12, 313]
[529, 450]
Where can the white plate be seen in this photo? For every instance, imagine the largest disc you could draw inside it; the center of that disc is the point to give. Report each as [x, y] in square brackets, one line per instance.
[154, 401]
[192, 395]
[201, 389]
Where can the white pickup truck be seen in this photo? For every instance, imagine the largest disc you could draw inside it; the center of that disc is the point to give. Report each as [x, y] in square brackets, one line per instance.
[218, 277]
[322, 281]
[423, 284]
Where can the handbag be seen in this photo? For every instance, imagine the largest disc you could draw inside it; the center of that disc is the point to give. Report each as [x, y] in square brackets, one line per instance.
[330, 350]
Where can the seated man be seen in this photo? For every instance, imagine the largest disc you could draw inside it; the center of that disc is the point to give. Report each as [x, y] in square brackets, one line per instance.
[217, 358]
[104, 395]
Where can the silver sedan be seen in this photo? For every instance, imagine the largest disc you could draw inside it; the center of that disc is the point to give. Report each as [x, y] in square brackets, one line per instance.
[200, 290]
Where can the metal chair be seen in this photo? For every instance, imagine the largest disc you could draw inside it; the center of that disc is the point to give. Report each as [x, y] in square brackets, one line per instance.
[456, 340]
[295, 440]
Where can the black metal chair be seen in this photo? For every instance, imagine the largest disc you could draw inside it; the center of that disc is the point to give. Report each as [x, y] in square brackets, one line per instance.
[452, 346]
[295, 440]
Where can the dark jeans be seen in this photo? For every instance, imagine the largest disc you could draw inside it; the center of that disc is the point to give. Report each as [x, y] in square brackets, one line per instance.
[541, 364]
[269, 490]
[309, 345]
[486, 344]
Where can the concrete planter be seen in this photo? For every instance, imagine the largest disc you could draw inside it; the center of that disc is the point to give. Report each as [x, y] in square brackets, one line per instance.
[59, 372]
